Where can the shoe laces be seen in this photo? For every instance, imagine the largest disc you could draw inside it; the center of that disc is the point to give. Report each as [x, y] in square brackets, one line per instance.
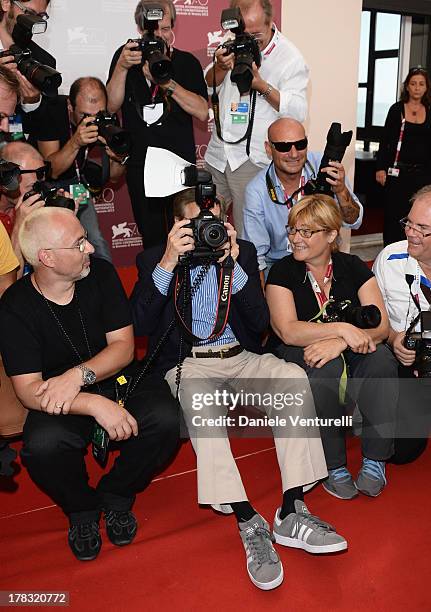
[84, 531]
[257, 538]
[373, 468]
[340, 474]
[312, 521]
[122, 517]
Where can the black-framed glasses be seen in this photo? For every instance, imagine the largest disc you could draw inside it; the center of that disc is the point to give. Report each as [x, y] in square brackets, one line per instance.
[81, 244]
[303, 232]
[29, 11]
[407, 224]
[285, 147]
[41, 173]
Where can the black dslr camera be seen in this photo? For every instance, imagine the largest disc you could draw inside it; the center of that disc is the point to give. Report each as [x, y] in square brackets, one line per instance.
[9, 175]
[336, 145]
[153, 47]
[117, 139]
[43, 77]
[364, 317]
[48, 193]
[209, 233]
[421, 343]
[244, 46]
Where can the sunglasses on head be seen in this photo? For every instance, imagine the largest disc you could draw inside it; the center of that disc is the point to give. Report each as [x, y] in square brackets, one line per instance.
[285, 147]
[417, 70]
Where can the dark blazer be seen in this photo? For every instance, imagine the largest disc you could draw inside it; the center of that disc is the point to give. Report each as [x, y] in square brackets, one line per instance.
[153, 312]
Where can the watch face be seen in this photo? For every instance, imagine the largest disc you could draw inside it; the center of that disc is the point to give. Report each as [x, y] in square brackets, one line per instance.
[89, 377]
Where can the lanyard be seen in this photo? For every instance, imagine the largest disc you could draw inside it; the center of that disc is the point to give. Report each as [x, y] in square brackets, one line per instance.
[76, 160]
[270, 187]
[315, 285]
[400, 141]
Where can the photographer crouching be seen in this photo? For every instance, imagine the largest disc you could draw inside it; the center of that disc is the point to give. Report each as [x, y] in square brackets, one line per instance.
[66, 340]
[200, 301]
[78, 124]
[403, 272]
[327, 314]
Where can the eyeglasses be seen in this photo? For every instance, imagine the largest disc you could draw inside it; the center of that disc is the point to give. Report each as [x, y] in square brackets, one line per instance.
[406, 224]
[80, 245]
[284, 147]
[29, 11]
[304, 233]
[41, 173]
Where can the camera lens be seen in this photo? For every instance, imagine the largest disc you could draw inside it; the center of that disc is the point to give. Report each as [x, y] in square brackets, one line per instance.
[214, 234]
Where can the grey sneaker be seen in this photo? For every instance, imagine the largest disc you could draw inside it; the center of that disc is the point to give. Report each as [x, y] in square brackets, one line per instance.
[340, 484]
[371, 479]
[301, 529]
[223, 508]
[263, 564]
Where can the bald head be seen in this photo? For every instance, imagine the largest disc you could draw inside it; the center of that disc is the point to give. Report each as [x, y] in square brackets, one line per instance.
[286, 129]
[46, 228]
[22, 154]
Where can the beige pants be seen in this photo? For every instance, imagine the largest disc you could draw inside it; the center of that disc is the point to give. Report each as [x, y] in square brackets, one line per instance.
[299, 450]
[231, 185]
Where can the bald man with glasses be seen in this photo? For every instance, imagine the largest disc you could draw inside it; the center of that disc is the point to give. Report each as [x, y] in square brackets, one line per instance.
[268, 197]
[66, 340]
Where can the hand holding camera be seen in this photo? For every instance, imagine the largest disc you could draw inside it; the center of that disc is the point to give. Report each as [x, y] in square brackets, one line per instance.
[131, 55]
[86, 133]
[224, 60]
[180, 241]
[230, 247]
[404, 355]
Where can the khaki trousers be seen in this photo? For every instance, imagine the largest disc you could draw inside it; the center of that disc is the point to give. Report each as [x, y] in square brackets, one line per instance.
[299, 449]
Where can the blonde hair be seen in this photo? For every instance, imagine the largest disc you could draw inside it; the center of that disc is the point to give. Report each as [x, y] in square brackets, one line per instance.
[317, 211]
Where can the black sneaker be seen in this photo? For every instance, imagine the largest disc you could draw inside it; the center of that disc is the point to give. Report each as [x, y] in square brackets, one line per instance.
[85, 541]
[121, 526]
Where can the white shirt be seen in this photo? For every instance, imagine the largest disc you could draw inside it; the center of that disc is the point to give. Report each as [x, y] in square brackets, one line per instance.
[282, 67]
[390, 268]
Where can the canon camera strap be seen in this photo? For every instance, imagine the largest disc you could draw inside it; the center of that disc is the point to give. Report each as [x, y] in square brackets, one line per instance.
[223, 299]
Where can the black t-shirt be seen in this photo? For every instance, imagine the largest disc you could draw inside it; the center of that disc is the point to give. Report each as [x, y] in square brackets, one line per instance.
[31, 339]
[175, 132]
[57, 126]
[349, 274]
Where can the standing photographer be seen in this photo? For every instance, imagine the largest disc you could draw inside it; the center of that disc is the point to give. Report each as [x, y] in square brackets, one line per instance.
[268, 197]
[280, 83]
[33, 104]
[299, 291]
[156, 113]
[65, 140]
[403, 272]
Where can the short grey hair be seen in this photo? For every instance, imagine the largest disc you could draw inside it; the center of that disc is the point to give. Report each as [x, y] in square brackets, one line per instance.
[421, 193]
[33, 233]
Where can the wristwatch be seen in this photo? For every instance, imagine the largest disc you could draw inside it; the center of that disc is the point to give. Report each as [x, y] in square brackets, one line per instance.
[88, 376]
[171, 88]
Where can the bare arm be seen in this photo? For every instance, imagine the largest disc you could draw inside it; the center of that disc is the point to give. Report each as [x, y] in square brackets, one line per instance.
[117, 84]
[190, 102]
[62, 390]
[370, 293]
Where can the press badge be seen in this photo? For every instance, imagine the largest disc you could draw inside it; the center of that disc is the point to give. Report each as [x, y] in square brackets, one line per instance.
[239, 112]
[79, 190]
[152, 112]
[15, 127]
[393, 172]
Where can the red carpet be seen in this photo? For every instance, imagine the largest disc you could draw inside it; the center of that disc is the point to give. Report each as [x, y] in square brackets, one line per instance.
[188, 558]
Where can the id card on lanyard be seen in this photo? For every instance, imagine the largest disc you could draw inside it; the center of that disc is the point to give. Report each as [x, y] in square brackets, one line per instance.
[321, 296]
[394, 170]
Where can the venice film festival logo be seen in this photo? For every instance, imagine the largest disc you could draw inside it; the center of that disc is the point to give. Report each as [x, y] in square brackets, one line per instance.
[191, 7]
[83, 41]
[125, 235]
[215, 39]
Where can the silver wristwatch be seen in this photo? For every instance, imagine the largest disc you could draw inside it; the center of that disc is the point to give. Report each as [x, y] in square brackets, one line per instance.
[88, 376]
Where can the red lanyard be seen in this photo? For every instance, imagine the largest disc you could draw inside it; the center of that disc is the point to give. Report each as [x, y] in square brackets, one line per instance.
[286, 195]
[400, 141]
[315, 285]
